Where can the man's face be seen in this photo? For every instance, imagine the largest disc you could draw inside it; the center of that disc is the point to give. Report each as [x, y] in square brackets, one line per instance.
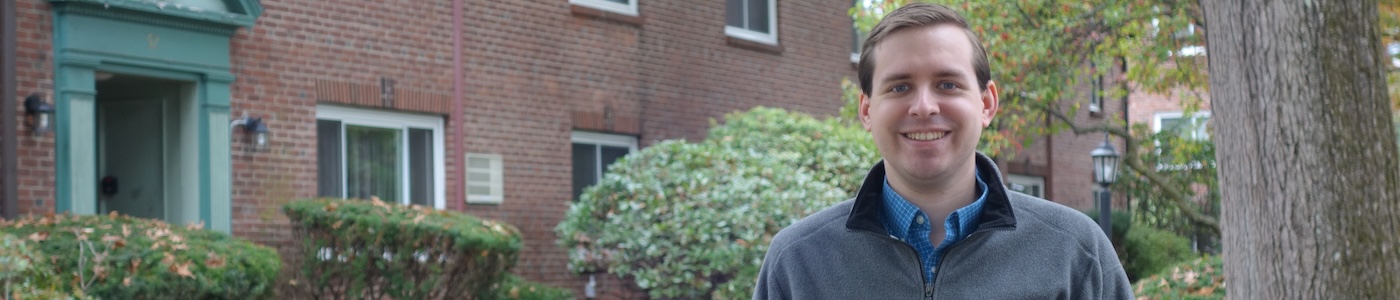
[925, 109]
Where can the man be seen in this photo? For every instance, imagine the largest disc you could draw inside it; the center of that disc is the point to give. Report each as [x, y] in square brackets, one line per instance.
[934, 220]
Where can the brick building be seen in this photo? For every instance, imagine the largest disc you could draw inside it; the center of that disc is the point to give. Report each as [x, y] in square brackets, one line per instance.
[498, 109]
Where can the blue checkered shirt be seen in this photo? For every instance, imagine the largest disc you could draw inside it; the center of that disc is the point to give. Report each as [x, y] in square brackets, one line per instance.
[909, 224]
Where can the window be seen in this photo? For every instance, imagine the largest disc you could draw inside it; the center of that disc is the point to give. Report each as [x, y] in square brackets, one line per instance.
[484, 179]
[626, 7]
[394, 156]
[1096, 95]
[1029, 185]
[755, 20]
[593, 153]
[1193, 127]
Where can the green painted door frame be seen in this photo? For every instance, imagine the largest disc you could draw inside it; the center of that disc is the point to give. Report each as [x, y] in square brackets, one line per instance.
[134, 37]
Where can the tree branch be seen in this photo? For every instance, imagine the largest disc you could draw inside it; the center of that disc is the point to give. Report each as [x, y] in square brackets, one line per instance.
[1173, 194]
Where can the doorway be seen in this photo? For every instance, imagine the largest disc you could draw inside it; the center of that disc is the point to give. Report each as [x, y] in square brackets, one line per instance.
[146, 148]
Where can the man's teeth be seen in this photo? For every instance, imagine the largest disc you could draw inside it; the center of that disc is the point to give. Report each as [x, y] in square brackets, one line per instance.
[925, 136]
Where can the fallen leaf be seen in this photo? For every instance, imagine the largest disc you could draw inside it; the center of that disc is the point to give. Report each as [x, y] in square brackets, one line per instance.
[39, 236]
[194, 226]
[126, 281]
[126, 231]
[168, 260]
[418, 219]
[135, 263]
[1205, 291]
[182, 269]
[214, 261]
[113, 214]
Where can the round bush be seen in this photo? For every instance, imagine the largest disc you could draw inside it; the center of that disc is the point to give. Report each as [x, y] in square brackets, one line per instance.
[1202, 278]
[372, 249]
[121, 257]
[690, 220]
[1148, 251]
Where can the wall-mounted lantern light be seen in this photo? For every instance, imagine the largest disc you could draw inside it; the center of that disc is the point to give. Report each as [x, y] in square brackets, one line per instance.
[254, 127]
[39, 114]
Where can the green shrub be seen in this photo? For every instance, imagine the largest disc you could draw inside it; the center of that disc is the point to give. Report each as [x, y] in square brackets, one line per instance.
[1121, 222]
[1147, 251]
[1202, 278]
[25, 273]
[694, 220]
[372, 250]
[516, 288]
[121, 257]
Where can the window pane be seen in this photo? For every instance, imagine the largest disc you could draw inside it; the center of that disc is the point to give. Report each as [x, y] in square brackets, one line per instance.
[611, 154]
[373, 162]
[734, 13]
[1203, 128]
[420, 164]
[620, 1]
[1171, 124]
[585, 167]
[758, 15]
[328, 180]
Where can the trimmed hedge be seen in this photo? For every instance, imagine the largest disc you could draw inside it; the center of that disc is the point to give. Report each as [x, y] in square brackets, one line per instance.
[1202, 278]
[516, 288]
[25, 273]
[372, 250]
[121, 257]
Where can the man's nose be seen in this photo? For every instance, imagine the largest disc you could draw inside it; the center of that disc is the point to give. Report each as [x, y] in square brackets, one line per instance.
[925, 104]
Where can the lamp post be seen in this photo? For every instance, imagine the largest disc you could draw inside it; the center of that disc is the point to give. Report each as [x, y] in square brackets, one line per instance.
[1105, 173]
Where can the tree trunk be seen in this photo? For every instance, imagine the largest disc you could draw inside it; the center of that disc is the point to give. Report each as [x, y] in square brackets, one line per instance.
[1309, 169]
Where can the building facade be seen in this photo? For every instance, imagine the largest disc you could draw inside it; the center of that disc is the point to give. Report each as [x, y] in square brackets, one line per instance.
[220, 111]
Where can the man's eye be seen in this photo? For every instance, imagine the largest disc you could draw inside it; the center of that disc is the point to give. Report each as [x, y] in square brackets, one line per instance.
[899, 88]
[947, 85]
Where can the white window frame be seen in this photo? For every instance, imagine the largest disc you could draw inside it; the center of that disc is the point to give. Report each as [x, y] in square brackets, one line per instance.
[1027, 180]
[496, 184]
[398, 120]
[760, 37]
[1157, 127]
[603, 139]
[1157, 120]
[627, 9]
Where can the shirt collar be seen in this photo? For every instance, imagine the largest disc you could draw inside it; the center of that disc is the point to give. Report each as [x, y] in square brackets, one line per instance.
[900, 213]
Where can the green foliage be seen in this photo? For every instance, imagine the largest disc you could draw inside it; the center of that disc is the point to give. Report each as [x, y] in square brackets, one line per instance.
[121, 257]
[25, 273]
[1202, 279]
[693, 220]
[1120, 223]
[1148, 251]
[1189, 166]
[372, 250]
[515, 288]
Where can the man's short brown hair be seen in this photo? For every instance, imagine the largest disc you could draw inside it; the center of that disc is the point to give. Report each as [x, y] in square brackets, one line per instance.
[914, 16]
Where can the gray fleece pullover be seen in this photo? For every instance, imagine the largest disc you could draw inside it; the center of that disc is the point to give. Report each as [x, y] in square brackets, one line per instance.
[1024, 248]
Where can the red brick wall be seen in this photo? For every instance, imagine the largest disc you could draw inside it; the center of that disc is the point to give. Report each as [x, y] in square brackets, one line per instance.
[533, 72]
[1063, 158]
[34, 74]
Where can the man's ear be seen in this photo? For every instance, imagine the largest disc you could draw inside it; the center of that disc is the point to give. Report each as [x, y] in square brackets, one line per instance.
[991, 102]
[863, 111]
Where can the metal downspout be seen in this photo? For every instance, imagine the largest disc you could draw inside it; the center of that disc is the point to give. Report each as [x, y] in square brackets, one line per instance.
[8, 145]
[458, 120]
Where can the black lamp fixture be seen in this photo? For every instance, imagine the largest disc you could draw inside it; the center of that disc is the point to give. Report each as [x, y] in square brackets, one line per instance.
[1105, 173]
[256, 128]
[1105, 163]
[39, 114]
